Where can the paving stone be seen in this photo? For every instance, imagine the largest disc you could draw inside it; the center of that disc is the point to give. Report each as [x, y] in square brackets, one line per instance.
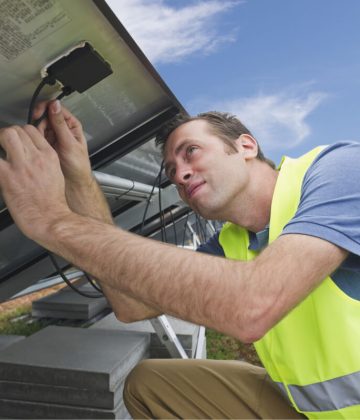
[8, 340]
[61, 394]
[69, 304]
[31, 410]
[186, 332]
[73, 357]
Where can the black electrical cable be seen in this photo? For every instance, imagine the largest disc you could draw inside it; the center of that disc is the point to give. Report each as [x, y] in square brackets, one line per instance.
[185, 229]
[149, 199]
[34, 97]
[199, 222]
[65, 91]
[174, 227]
[161, 212]
[126, 192]
[92, 283]
[58, 268]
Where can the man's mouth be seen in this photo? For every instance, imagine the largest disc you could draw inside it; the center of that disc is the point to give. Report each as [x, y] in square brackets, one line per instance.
[193, 189]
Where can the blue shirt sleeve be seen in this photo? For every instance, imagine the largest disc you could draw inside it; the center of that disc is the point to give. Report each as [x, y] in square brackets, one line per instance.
[330, 200]
[212, 246]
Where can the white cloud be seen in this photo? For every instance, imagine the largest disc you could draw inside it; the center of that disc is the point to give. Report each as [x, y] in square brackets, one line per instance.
[168, 34]
[277, 121]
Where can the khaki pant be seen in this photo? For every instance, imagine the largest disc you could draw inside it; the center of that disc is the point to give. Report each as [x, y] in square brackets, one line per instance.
[203, 389]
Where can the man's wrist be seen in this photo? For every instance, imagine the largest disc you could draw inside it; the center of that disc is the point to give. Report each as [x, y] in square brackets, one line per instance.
[79, 183]
[57, 229]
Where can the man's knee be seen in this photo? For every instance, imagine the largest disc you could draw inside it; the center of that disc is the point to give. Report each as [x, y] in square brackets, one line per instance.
[135, 390]
[138, 380]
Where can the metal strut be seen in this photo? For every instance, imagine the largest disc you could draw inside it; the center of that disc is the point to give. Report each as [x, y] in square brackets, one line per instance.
[168, 337]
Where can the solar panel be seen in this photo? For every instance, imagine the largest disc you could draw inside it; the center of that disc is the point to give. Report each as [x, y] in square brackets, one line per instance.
[120, 114]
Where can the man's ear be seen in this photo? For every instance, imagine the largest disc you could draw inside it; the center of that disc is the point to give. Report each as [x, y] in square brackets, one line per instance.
[248, 145]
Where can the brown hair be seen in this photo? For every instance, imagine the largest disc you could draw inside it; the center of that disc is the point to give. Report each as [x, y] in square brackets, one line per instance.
[226, 126]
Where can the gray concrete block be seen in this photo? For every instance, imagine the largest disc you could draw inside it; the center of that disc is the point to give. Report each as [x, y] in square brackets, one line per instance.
[8, 340]
[163, 353]
[61, 394]
[186, 332]
[32, 410]
[85, 315]
[69, 305]
[73, 357]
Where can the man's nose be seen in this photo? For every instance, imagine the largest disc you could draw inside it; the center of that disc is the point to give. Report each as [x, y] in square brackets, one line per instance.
[183, 175]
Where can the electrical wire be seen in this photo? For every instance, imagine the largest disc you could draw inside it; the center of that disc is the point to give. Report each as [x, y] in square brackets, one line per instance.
[185, 229]
[34, 97]
[174, 227]
[126, 192]
[62, 275]
[161, 212]
[149, 199]
[65, 92]
[202, 229]
[92, 283]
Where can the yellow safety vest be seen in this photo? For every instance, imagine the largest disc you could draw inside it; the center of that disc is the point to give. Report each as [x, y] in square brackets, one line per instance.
[313, 353]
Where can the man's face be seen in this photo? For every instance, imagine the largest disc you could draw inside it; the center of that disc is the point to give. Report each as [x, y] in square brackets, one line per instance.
[209, 175]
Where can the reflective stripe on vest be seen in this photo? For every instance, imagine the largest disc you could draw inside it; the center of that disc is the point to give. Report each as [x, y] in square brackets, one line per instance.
[330, 395]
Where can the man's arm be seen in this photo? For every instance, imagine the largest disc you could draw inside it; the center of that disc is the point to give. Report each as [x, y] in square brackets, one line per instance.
[241, 299]
[83, 194]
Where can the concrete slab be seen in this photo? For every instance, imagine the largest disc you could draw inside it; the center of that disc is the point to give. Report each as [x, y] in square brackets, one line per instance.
[8, 340]
[69, 304]
[31, 410]
[61, 395]
[186, 332]
[73, 357]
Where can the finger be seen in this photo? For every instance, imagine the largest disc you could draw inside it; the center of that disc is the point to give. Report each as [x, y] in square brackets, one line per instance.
[4, 167]
[12, 144]
[26, 139]
[40, 109]
[43, 126]
[37, 139]
[58, 123]
[72, 123]
[50, 136]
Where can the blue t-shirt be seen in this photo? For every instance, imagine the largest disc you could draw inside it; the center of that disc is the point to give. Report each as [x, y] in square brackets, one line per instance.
[329, 208]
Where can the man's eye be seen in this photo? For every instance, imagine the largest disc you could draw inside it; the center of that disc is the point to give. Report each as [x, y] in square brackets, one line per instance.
[190, 150]
[171, 174]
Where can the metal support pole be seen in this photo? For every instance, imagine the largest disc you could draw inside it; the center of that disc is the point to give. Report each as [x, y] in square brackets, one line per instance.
[168, 337]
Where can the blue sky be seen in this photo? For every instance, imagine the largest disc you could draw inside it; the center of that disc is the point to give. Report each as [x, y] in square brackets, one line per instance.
[289, 69]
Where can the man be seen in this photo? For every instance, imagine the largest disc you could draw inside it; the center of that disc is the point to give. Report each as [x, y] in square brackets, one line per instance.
[304, 323]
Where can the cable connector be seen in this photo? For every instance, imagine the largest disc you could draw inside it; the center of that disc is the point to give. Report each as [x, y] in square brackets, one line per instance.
[66, 90]
[78, 69]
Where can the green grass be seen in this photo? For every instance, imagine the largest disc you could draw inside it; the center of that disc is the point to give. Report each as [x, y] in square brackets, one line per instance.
[222, 347]
[9, 325]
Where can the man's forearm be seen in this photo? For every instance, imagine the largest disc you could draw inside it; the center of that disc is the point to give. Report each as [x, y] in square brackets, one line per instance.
[131, 264]
[243, 299]
[87, 199]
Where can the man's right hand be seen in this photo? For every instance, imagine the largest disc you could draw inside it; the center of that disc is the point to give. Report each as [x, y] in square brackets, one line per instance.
[65, 134]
